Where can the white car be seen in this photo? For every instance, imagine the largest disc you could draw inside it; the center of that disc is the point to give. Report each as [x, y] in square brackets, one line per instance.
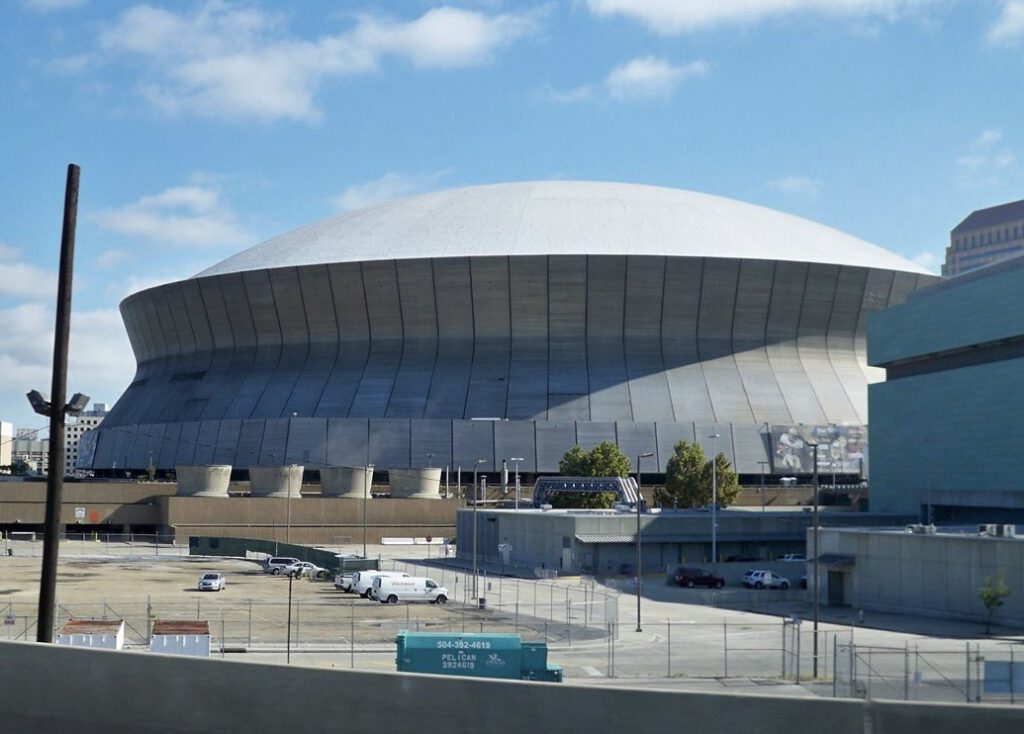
[301, 569]
[794, 557]
[343, 581]
[757, 579]
[212, 581]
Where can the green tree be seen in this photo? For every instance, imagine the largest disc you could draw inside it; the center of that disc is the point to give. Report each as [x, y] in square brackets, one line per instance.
[993, 593]
[727, 482]
[604, 460]
[607, 460]
[689, 481]
[574, 463]
[684, 483]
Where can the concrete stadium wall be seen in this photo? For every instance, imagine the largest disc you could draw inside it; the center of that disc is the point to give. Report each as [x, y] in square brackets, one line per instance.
[387, 361]
[49, 688]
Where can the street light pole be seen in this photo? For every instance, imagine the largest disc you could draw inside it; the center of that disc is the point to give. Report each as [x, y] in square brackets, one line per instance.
[714, 498]
[639, 540]
[763, 467]
[816, 560]
[366, 500]
[476, 499]
[516, 460]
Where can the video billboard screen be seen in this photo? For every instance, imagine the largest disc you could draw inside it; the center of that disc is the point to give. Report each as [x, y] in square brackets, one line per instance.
[841, 449]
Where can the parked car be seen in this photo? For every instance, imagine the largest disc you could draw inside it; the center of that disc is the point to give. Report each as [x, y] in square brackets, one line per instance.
[393, 589]
[212, 581]
[343, 581]
[759, 579]
[741, 558]
[276, 564]
[793, 557]
[690, 577]
[301, 569]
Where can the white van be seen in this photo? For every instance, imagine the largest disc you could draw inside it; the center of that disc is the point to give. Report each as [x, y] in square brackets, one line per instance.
[408, 588]
[362, 581]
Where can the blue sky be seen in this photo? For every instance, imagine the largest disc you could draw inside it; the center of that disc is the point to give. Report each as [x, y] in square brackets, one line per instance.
[205, 127]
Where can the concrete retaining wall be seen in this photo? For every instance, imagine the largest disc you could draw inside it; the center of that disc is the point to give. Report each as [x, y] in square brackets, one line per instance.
[101, 691]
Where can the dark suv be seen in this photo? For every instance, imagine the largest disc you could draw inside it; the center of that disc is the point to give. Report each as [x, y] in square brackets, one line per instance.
[690, 577]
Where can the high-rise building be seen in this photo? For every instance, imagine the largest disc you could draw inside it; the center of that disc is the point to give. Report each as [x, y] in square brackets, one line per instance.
[31, 449]
[984, 237]
[73, 432]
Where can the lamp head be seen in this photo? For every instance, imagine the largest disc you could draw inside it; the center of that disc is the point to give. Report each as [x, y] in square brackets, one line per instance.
[77, 405]
[39, 404]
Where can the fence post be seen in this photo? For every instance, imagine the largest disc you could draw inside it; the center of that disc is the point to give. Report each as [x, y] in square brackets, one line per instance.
[725, 646]
[906, 671]
[568, 617]
[783, 627]
[967, 662]
[250, 624]
[669, 647]
[835, 663]
[1011, 676]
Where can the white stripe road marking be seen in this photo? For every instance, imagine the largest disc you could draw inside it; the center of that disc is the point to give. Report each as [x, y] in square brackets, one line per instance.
[593, 672]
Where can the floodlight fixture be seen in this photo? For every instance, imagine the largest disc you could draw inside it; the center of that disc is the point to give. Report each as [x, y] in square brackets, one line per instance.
[39, 404]
[78, 403]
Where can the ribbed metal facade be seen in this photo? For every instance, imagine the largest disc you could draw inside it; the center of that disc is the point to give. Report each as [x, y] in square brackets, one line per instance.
[390, 361]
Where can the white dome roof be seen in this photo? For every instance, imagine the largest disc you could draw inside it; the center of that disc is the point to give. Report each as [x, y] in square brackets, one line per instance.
[562, 218]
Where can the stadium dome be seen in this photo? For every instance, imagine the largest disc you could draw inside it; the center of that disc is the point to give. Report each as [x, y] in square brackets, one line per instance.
[509, 321]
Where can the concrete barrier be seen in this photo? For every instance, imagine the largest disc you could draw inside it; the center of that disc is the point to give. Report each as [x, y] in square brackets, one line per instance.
[47, 688]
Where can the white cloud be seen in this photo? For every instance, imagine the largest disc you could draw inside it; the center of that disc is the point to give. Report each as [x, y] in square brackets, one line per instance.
[20, 280]
[100, 359]
[985, 160]
[238, 63]
[446, 36]
[799, 186]
[671, 17]
[114, 258]
[182, 216]
[387, 187]
[1009, 26]
[650, 78]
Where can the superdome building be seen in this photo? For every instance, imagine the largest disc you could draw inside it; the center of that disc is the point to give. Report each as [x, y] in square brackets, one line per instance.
[509, 322]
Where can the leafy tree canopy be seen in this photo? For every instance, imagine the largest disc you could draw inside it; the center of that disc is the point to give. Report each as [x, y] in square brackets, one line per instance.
[690, 480]
[604, 460]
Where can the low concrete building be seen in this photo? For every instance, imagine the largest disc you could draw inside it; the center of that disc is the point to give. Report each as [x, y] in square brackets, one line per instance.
[604, 541]
[921, 570]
